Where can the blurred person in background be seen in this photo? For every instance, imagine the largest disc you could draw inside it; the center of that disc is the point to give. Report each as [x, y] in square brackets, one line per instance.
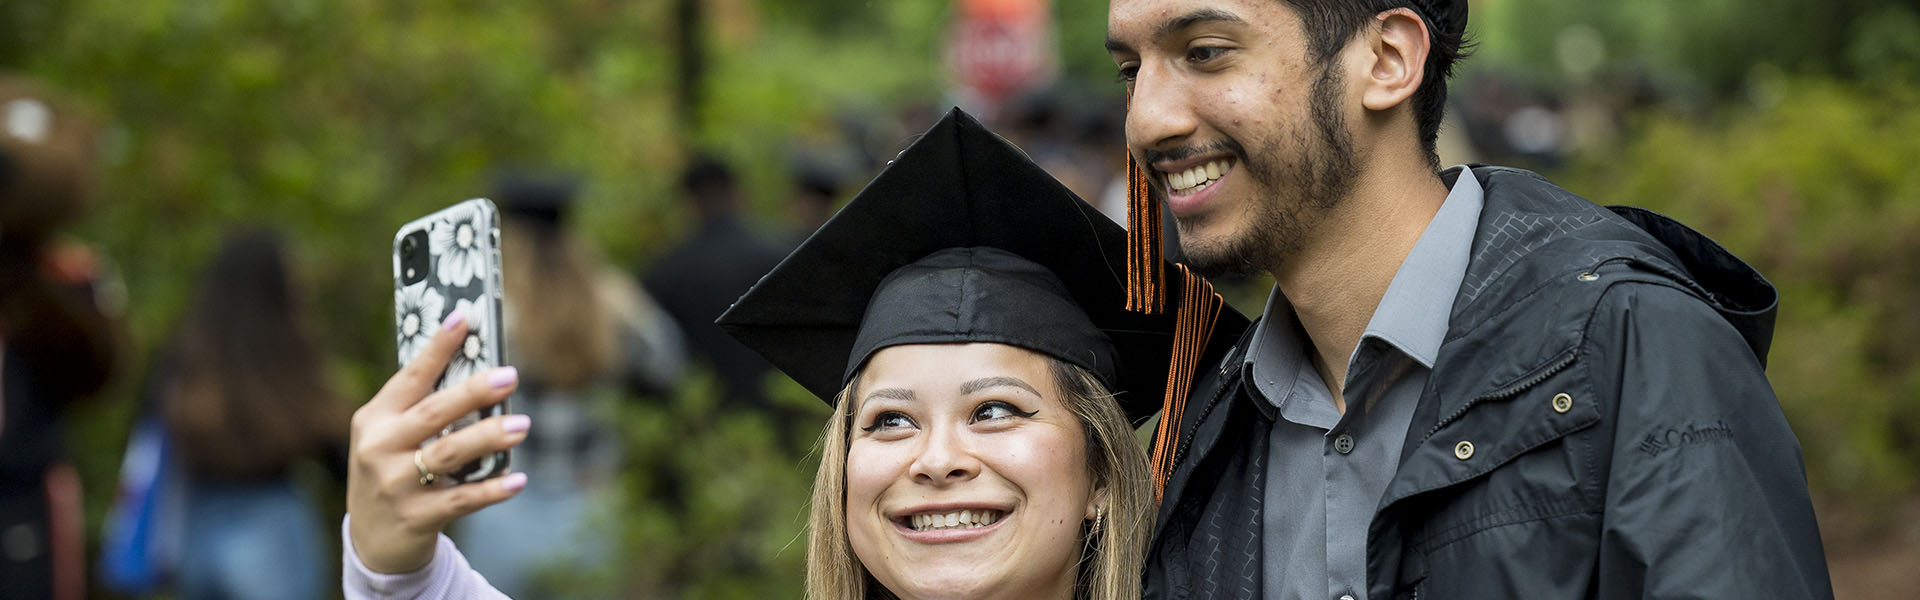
[583, 335]
[813, 193]
[243, 390]
[57, 342]
[701, 276]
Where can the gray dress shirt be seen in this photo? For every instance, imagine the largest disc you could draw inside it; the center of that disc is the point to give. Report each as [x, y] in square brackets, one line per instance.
[1326, 471]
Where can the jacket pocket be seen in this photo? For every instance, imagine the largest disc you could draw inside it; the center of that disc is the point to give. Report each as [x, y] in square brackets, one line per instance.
[1550, 555]
[1528, 529]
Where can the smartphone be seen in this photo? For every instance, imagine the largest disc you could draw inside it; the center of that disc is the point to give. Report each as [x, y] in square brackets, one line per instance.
[446, 260]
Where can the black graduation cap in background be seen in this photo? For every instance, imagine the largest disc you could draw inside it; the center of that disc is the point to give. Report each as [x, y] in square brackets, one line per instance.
[963, 238]
[540, 196]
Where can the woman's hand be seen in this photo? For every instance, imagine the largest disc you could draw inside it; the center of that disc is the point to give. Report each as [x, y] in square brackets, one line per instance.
[396, 518]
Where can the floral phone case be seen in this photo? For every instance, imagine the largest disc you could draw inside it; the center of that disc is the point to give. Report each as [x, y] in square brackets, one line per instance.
[446, 260]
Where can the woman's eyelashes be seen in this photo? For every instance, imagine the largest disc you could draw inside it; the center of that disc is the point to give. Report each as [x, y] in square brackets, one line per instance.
[992, 411]
[997, 410]
[889, 420]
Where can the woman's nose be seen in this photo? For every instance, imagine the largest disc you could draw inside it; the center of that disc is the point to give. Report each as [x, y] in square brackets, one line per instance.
[946, 457]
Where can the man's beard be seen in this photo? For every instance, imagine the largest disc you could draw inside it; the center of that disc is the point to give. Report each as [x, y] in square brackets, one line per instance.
[1304, 190]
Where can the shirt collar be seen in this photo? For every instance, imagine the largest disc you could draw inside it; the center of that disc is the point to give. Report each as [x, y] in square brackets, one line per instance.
[1276, 354]
[1412, 315]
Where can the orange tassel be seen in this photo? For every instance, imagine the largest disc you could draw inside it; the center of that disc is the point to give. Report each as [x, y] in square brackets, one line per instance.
[1146, 276]
[1199, 310]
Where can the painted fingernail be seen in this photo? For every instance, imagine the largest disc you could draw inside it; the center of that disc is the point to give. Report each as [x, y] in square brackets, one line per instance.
[516, 423]
[513, 481]
[503, 377]
[455, 318]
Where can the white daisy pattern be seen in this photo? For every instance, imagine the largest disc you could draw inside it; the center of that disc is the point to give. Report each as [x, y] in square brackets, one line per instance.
[418, 309]
[457, 242]
[472, 355]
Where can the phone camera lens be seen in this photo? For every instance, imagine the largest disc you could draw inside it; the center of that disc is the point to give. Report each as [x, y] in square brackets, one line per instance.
[416, 257]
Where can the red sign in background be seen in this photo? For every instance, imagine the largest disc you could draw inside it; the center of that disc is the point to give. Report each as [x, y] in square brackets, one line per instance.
[1000, 48]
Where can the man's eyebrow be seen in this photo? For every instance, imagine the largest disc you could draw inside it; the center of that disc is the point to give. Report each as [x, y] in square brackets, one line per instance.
[1174, 25]
[988, 382]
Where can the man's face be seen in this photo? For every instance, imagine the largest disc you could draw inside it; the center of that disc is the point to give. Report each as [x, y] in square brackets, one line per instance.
[1234, 122]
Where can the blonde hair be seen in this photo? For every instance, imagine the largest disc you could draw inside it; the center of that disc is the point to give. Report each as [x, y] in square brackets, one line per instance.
[1113, 554]
[563, 332]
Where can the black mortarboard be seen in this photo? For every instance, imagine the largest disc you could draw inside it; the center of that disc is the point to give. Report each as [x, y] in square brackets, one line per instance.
[962, 238]
[543, 197]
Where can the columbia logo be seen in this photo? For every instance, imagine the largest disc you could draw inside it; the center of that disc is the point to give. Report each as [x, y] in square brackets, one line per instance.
[1658, 443]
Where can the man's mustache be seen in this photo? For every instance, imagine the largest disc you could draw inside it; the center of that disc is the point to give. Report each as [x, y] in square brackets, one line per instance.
[1153, 156]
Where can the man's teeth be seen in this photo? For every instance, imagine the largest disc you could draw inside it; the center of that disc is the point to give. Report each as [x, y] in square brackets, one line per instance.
[1196, 177]
[955, 520]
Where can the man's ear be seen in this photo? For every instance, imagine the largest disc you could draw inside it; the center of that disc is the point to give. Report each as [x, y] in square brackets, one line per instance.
[1398, 50]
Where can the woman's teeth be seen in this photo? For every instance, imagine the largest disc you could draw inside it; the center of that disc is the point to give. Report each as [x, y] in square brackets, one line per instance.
[954, 520]
[1193, 179]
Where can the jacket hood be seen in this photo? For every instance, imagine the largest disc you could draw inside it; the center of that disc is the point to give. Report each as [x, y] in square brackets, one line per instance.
[1741, 295]
[1525, 217]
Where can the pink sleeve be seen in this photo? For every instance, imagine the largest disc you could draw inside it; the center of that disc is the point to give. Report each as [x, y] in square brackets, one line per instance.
[448, 577]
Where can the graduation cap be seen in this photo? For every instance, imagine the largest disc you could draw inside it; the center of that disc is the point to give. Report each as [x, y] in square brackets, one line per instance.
[541, 197]
[962, 238]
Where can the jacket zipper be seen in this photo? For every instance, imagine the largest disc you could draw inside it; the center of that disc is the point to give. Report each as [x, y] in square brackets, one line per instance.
[1187, 440]
[1509, 392]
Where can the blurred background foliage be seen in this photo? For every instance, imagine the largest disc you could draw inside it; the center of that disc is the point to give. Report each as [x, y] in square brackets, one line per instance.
[1784, 128]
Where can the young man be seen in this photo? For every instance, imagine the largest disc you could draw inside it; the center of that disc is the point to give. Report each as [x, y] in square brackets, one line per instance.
[1466, 383]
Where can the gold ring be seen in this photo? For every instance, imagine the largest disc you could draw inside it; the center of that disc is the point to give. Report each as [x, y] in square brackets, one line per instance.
[426, 477]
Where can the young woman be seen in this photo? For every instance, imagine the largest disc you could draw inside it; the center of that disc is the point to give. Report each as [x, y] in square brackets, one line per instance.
[245, 398]
[965, 317]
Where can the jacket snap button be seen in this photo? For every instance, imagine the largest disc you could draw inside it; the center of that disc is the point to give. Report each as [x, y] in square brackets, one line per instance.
[1463, 450]
[1562, 403]
[1589, 276]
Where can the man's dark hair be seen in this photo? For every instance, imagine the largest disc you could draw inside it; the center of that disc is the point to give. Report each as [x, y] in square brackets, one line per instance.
[710, 185]
[705, 172]
[1329, 24]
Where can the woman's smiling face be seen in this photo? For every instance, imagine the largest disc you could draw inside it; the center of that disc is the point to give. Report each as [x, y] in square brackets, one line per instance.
[966, 473]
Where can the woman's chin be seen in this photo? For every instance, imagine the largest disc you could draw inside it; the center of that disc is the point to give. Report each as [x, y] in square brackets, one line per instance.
[944, 571]
[941, 586]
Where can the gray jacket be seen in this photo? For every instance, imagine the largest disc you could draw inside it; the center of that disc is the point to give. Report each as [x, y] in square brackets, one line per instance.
[1598, 425]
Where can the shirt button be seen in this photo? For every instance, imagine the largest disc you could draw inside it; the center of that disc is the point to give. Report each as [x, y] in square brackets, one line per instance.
[1343, 443]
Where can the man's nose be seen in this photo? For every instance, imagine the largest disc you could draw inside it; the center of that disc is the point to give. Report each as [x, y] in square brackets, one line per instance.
[1159, 110]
